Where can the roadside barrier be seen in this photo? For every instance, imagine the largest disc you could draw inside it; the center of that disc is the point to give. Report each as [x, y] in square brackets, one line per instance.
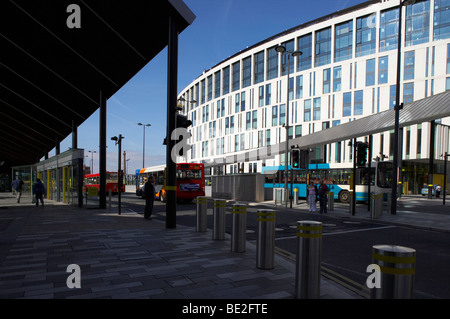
[202, 209]
[308, 263]
[219, 207]
[265, 247]
[397, 269]
[239, 228]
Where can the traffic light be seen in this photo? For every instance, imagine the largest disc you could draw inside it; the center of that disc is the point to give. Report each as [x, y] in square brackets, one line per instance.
[182, 121]
[295, 158]
[304, 159]
[361, 154]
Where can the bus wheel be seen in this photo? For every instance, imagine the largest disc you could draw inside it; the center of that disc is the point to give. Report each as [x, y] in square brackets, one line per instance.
[344, 197]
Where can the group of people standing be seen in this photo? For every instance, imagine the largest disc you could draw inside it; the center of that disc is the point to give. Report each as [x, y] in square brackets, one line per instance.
[314, 193]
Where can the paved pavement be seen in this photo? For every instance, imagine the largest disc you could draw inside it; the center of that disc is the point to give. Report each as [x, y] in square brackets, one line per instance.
[127, 257]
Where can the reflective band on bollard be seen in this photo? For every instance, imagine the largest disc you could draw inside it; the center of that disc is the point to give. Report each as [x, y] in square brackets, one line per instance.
[397, 268]
[265, 247]
[239, 228]
[309, 257]
[202, 209]
[219, 219]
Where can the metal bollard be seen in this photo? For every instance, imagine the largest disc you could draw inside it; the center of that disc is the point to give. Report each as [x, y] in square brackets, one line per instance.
[265, 246]
[296, 196]
[202, 209]
[239, 228]
[350, 201]
[330, 201]
[309, 258]
[219, 219]
[397, 268]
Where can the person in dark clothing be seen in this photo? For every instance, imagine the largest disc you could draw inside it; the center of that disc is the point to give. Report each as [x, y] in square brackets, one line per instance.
[323, 191]
[39, 192]
[149, 195]
[17, 186]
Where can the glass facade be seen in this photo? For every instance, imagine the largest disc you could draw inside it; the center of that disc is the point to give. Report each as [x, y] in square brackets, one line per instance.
[304, 61]
[417, 23]
[258, 67]
[322, 53]
[389, 30]
[441, 22]
[365, 36]
[343, 41]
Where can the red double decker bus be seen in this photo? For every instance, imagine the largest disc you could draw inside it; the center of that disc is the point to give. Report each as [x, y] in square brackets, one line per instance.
[93, 181]
[190, 181]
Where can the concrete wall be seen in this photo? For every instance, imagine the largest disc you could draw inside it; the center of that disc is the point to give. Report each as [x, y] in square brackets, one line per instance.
[248, 187]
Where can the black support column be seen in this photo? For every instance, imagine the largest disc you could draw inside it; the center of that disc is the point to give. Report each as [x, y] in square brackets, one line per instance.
[102, 164]
[172, 79]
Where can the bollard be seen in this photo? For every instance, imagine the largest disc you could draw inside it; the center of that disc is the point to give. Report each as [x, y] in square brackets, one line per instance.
[110, 198]
[397, 268]
[309, 256]
[219, 219]
[388, 204]
[376, 205]
[330, 201]
[296, 196]
[239, 228]
[350, 200]
[202, 208]
[265, 246]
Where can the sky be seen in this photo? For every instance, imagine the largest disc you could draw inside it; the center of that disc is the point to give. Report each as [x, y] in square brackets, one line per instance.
[221, 29]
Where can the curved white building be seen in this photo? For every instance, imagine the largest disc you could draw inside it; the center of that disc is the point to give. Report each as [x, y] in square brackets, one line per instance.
[347, 70]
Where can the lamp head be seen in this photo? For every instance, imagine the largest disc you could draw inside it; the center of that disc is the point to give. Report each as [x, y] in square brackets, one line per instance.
[280, 49]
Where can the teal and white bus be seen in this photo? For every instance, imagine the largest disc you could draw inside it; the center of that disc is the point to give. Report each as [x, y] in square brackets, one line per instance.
[338, 179]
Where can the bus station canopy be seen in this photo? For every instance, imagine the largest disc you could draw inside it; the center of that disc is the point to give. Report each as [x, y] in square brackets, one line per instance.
[51, 73]
[425, 110]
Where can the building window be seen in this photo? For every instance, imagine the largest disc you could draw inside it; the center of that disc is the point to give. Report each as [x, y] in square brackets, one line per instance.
[282, 114]
[305, 46]
[258, 67]
[268, 94]
[242, 101]
[299, 87]
[347, 104]
[217, 84]
[284, 58]
[246, 72]
[291, 88]
[272, 63]
[316, 113]
[268, 137]
[383, 70]
[203, 91]
[248, 120]
[210, 87]
[419, 140]
[226, 80]
[408, 93]
[392, 96]
[307, 111]
[441, 20]
[236, 143]
[298, 130]
[417, 23]
[326, 80]
[227, 126]
[261, 96]
[370, 72]
[254, 120]
[322, 53]
[237, 104]
[231, 124]
[236, 69]
[409, 66]
[365, 35]
[343, 40]
[358, 103]
[275, 115]
[260, 138]
[447, 84]
[242, 142]
[337, 77]
[389, 30]
[448, 57]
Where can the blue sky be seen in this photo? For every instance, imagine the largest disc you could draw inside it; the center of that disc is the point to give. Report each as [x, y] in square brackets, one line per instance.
[221, 29]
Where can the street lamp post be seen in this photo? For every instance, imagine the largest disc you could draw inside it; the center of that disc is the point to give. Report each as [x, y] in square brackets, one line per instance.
[397, 107]
[118, 141]
[143, 144]
[282, 49]
[92, 160]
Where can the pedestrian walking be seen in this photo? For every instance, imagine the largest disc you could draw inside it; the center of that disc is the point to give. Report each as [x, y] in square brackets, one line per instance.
[39, 192]
[311, 196]
[323, 192]
[17, 186]
[149, 195]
